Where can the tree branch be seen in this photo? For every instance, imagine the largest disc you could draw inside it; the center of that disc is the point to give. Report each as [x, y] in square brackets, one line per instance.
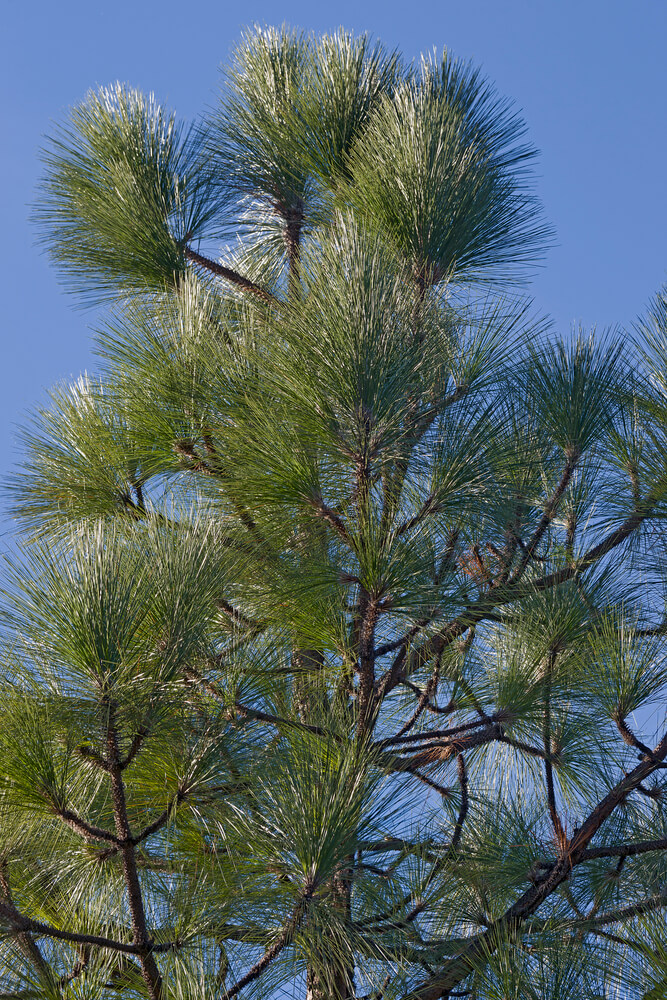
[235, 615]
[25, 924]
[86, 830]
[135, 747]
[80, 966]
[230, 275]
[548, 515]
[502, 594]
[624, 850]
[629, 737]
[463, 810]
[647, 905]
[24, 939]
[331, 517]
[458, 968]
[281, 941]
[556, 822]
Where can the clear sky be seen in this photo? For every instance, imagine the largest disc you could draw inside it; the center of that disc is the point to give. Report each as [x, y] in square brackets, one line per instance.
[590, 78]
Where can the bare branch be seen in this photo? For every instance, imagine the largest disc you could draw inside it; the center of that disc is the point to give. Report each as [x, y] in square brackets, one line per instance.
[629, 737]
[281, 941]
[86, 830]
[331, 517]
[624, 850]
[230, 275]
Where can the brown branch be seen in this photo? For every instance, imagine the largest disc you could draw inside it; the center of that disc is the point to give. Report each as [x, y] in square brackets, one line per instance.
[629, 737]
[624, 850]
[92, 756]
[331, 517]
[278, 720]
[281, 941]
[447, 709]
[186, 450]
[441, 750]
[369, 611]
[416, 426]
[463, 810]
[647, 905]
[391, 647]
[430, 734]
[436, 786]
[135, 747]
[423, 703]
[230, 275]
[293, 217]
[458, 968]
[80, 966]
[556, 821]
[256, 714]
[395, 844]
[235, 615]
[24, 939]
[429, 506]
[503, 594]
[158, 823]
[657, 794]
[84, 829]
[447, 561]
[25, 924]
[520, 745]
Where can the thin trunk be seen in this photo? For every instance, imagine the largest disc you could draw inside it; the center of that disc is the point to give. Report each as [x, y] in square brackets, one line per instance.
[293, 224]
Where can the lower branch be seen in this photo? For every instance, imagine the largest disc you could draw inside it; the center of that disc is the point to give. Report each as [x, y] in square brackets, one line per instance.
[281, 941]
[457, 969]
[24, 939]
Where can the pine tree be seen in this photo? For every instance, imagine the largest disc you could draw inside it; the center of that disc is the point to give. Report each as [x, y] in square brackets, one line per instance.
[334, 657]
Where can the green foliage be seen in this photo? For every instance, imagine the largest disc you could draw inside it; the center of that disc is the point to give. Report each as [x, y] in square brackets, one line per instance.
[334, 653]
[441, 169]
[125, 187]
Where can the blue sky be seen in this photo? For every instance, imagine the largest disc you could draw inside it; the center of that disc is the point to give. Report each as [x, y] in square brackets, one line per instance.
[590, 78]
